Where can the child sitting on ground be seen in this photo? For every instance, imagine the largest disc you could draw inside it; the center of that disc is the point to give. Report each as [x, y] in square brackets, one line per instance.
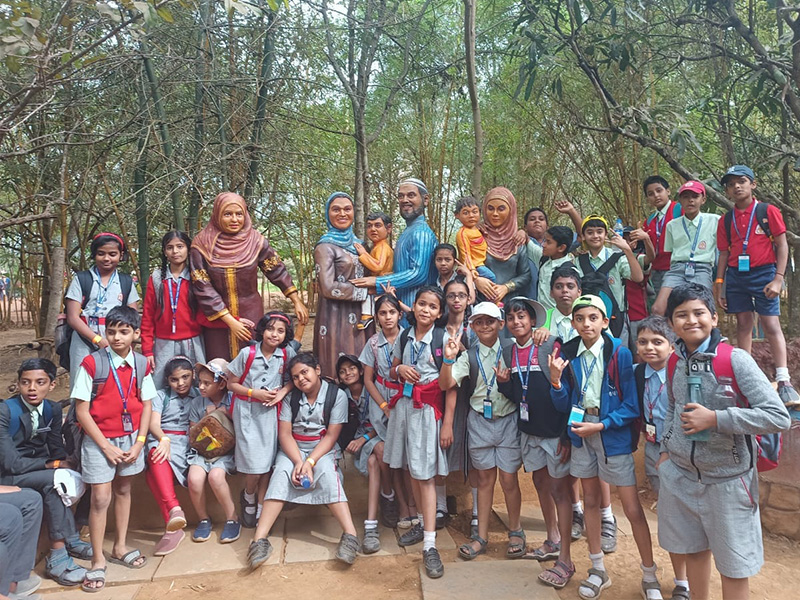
[592, 381]
[213, 385]
[708, 503]
[305, 470]
[113, 389]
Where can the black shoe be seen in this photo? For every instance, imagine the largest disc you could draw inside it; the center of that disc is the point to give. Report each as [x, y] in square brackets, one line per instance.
[249, 519]
[433, 563]
[389, 511]
[441, 519]
[413, 536]
[259, 552]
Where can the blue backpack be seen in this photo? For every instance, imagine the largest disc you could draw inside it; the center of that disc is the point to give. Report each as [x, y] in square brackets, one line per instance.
[17, 409]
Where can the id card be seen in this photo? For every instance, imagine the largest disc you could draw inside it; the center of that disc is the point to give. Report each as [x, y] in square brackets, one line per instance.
[127, 422]
[487, 409]
[575, 416]
[523, 411]
[94, 323]
[408, 390]
[744, 263]
[688, 269]
[650, 432]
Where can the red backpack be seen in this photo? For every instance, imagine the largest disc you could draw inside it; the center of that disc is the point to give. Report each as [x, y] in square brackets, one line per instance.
[770, 444]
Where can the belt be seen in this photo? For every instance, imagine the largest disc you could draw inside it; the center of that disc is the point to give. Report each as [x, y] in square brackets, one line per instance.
[595, 412]
[309, 438]
[169, 432]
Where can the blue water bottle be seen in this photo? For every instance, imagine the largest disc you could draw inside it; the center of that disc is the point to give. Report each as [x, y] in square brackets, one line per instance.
[305, 481]
[618, 227]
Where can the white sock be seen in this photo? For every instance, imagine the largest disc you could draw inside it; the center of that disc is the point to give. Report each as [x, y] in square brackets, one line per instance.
[389, 496]
[578, 507]
[370, 525]
[258, 511]
[606, 514]
[649, 573]
[597, 563]
[421, 523]
[441, 499]
[782, 374]
[682, 583]
[428, 540]
[250, 499]
[474, 502]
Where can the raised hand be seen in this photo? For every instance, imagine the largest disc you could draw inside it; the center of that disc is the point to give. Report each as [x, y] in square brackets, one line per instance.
[619, 242]
[502, 374]
[557, 366]
[564, 206]
[452, 347]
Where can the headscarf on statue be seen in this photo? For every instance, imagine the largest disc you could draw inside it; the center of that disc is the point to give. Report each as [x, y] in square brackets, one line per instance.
[228, 250]
[344, 238]
[500, 240]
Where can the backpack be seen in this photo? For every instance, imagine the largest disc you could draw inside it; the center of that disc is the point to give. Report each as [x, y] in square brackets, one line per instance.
[15, 408]
[437, 343]
[213, 435]
[71, 430]
[595, 281]
[62, 337]
[249, 363]
[761, 219]
[768, 445]
[330, 401]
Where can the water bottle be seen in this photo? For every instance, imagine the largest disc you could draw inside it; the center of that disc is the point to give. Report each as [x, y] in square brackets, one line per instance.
[618, 228]
[305, 481]
[695, 395]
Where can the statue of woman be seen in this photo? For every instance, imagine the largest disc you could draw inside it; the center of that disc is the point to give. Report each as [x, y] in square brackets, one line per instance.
[225, 259]
[507, 261]
[339, 305]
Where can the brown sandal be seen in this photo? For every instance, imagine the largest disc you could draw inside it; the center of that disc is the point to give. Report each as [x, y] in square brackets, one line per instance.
[558, 575]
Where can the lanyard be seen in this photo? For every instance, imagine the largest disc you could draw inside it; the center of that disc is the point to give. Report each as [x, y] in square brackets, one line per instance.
[524, 381]
[387, 354]
[587, 372]
[173, 299]
[651, 405]
[102, 292]
[660, 223]
[696, 235]
[113, 370]
[490, 384]
[415, 353]
[746, 239]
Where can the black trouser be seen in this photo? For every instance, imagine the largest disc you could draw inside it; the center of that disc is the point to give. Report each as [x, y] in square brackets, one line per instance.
[59, 519]
[20, 521]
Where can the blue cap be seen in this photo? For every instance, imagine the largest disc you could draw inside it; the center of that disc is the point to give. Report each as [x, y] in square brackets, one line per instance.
[739, 171]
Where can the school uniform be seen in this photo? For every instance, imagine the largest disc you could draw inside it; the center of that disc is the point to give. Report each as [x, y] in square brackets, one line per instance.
[23, 459]
[106, 410]
[458, 453]
[412, 437]
[546, 266]
[744, 290]
[541, 426]
[101, 300]
[377, 353]
[307, 430]
[587, 384]
[654, 411]
[492, 433]
[693, 247]
[656, 227]
[560, 325]
[20, 521]
[175, 330]
[256, 425]
[364, 428]
[198, 408]
[174, 412]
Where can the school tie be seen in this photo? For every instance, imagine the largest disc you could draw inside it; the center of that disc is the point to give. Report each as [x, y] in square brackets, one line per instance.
[34, 422]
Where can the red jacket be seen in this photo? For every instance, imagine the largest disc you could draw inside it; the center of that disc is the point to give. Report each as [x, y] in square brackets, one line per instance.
[656, 229]
[160, 326]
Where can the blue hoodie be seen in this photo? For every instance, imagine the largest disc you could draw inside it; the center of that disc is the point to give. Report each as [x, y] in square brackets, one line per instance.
[619, 403]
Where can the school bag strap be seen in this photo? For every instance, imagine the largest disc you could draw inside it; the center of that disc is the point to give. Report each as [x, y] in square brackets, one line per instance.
[330, 401]
[126, 284]
[102, 369]
[437, 344]
[639, 380]
[251, 356]
[761, 217]
[472, 356]
[16, 408]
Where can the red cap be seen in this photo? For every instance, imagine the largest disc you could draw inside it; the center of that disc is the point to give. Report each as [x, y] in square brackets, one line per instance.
[693, 186]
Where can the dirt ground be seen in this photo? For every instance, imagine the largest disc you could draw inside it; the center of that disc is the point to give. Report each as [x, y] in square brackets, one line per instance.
[397, 577]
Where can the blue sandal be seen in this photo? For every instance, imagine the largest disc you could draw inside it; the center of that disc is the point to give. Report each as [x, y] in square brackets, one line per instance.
[60, 567]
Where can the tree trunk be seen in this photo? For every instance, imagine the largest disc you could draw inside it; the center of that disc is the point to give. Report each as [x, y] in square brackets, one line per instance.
[469, 46]
[199, 115]
[140, 198]
[361, 183]
[267, 60]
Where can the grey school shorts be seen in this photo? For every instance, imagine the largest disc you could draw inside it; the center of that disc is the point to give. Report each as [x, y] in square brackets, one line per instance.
[96, 468]
[676, 275]
[652, 454]
[721, 517]
[540, 452]
[590, 461]
[494, 442]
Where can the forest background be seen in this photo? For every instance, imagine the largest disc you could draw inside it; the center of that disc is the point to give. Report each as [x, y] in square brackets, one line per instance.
[131, 116]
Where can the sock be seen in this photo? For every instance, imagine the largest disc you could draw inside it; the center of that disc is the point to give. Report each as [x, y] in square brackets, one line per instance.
[474, 502]
[649, 573]
[421, 522]
[606, 514]
[682, 582]
[57, 552]
[428, 540]
[258, 511]
[389, 496]
[578, 507]
[781, 373]
[370, 524]
[250, 499]
[597, 563]
[441, 499]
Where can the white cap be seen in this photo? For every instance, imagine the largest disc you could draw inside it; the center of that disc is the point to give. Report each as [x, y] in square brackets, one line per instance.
[69, 485]
[489, 309]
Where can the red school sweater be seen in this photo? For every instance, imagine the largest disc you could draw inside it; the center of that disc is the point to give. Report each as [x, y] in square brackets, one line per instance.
[160, 326]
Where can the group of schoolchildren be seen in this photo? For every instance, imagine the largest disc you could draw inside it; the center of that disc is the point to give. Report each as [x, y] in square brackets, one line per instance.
[465, 387]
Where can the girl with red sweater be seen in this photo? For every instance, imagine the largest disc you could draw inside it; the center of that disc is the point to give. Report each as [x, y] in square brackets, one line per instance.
[169, 320]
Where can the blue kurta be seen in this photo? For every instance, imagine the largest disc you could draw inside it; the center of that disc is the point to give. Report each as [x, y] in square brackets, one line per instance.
[413, 261]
